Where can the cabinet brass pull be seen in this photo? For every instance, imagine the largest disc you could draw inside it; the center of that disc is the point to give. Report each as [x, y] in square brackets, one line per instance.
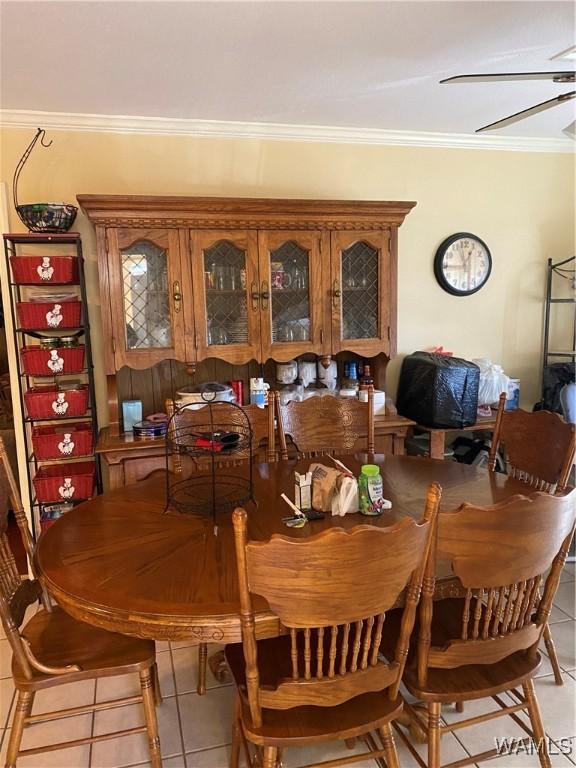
[177, 296]
[255, 296]
[264, 295]
[336, 293]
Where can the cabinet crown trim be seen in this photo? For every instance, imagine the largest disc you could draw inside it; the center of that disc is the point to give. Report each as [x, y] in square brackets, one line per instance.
[243, 213]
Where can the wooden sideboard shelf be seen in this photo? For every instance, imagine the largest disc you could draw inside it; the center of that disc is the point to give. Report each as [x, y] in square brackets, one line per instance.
[129, 460]
[437, 435]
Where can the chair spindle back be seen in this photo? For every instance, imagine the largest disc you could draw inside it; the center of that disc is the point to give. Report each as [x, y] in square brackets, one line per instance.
[323, 425]
[539, 447]
[261, 420]
[500, 555]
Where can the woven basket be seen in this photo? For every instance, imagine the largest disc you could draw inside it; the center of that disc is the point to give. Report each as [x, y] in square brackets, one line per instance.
[65, 482]
[44, 270]
[50, 403]
[52, 362]
[49, 315]
[58, 441]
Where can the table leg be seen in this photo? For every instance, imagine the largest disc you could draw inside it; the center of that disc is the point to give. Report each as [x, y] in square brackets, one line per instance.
[399, 447]
[437, 439]
[219, 667]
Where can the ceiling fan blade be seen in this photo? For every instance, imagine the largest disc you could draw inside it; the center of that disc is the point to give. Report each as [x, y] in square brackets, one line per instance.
[542, 107]
[566, 76]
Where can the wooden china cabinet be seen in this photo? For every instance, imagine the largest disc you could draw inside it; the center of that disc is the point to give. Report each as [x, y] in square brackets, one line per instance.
[241, 280]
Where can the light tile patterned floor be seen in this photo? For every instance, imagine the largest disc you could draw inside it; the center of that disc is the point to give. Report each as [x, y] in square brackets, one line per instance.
[195, 731]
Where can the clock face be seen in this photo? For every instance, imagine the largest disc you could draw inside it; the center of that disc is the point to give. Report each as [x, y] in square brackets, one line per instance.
[462, 264]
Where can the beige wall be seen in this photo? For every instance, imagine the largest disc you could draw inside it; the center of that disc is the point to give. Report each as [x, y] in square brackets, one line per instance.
[521, 204]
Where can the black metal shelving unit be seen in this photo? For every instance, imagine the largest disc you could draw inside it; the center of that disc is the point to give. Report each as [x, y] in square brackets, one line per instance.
[557, 271]
[560, 269]
[12, 245]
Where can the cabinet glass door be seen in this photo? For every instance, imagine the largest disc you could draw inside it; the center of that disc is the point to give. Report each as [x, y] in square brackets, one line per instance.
[360, 292]
[291, 293]
[146, 309]
[225, 288]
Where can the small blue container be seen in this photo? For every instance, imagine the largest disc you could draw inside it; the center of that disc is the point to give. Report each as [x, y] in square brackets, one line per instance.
[131, 413]
[513, 398]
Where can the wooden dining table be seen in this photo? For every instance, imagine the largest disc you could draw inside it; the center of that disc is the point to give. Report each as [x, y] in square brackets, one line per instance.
[121, 562]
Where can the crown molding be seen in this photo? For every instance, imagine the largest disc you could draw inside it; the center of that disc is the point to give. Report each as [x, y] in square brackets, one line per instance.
[163, 126]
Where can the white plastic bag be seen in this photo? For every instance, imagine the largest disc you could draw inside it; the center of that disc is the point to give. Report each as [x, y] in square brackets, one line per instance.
[345, 498]
[493, 381]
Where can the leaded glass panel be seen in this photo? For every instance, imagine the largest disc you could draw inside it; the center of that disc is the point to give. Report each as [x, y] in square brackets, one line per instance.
[226, 307]
[145, 290]
[360, 309]
[289, 291]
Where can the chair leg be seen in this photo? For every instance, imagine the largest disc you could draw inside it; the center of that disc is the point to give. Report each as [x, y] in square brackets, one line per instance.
[22, 711]
[389, 746]
[156, 685]
[459, 706]
[434, 709]
[202, 661]
[539, 736]
[551, 651]
[236, 735]
[269, 757]
[150, 716]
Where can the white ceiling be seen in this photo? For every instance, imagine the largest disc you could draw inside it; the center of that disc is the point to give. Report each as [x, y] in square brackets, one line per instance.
[353, 64]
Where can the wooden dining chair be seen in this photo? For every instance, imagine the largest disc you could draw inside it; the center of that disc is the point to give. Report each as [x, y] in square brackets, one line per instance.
[539, 447]
[484, 640]
[323, 679]
[52, 648]
[263, 447]
[327, 425]
[261, 421]
[539, 450]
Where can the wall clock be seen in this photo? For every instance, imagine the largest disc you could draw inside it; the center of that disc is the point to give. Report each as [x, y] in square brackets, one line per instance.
[462, 264]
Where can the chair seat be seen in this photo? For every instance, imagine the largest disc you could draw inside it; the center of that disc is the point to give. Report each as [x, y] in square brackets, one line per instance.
[56, 640]
[462, 683]
[307, 724]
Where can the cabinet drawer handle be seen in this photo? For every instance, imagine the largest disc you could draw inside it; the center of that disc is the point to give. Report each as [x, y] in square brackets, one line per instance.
[336, 292]
[177, 296]
[264, 295]
[255, 296]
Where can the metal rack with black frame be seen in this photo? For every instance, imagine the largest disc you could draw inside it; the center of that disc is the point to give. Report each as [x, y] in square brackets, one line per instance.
[26, 380]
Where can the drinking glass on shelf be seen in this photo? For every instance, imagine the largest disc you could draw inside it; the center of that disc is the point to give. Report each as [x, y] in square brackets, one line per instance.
[285, 332]
[217, 335]
[298, 279]
[232, 278]
[218, 277]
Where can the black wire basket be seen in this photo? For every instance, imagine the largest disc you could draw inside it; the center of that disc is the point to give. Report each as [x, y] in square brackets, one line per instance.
[41, 217]
[47, 217]
[216, 443]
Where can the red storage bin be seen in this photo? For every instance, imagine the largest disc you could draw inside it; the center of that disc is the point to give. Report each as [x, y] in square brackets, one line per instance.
[44, 270]
[65, 482]
[52, 403]
[58, 441]
[49, 315]
[52, 362]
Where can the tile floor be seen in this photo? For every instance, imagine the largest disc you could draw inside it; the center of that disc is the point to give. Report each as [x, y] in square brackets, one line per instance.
[195, 731]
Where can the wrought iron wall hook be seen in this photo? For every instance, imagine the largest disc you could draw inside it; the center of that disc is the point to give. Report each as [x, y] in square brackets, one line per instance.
[40, 134]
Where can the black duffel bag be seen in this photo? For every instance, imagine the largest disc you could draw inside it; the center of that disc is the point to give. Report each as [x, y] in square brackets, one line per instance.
[438, 391]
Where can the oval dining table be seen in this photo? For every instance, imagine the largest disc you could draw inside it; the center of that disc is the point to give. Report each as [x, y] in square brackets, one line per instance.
[120, 562]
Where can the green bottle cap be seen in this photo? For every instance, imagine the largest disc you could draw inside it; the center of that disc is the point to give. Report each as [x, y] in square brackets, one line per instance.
[370, 469]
